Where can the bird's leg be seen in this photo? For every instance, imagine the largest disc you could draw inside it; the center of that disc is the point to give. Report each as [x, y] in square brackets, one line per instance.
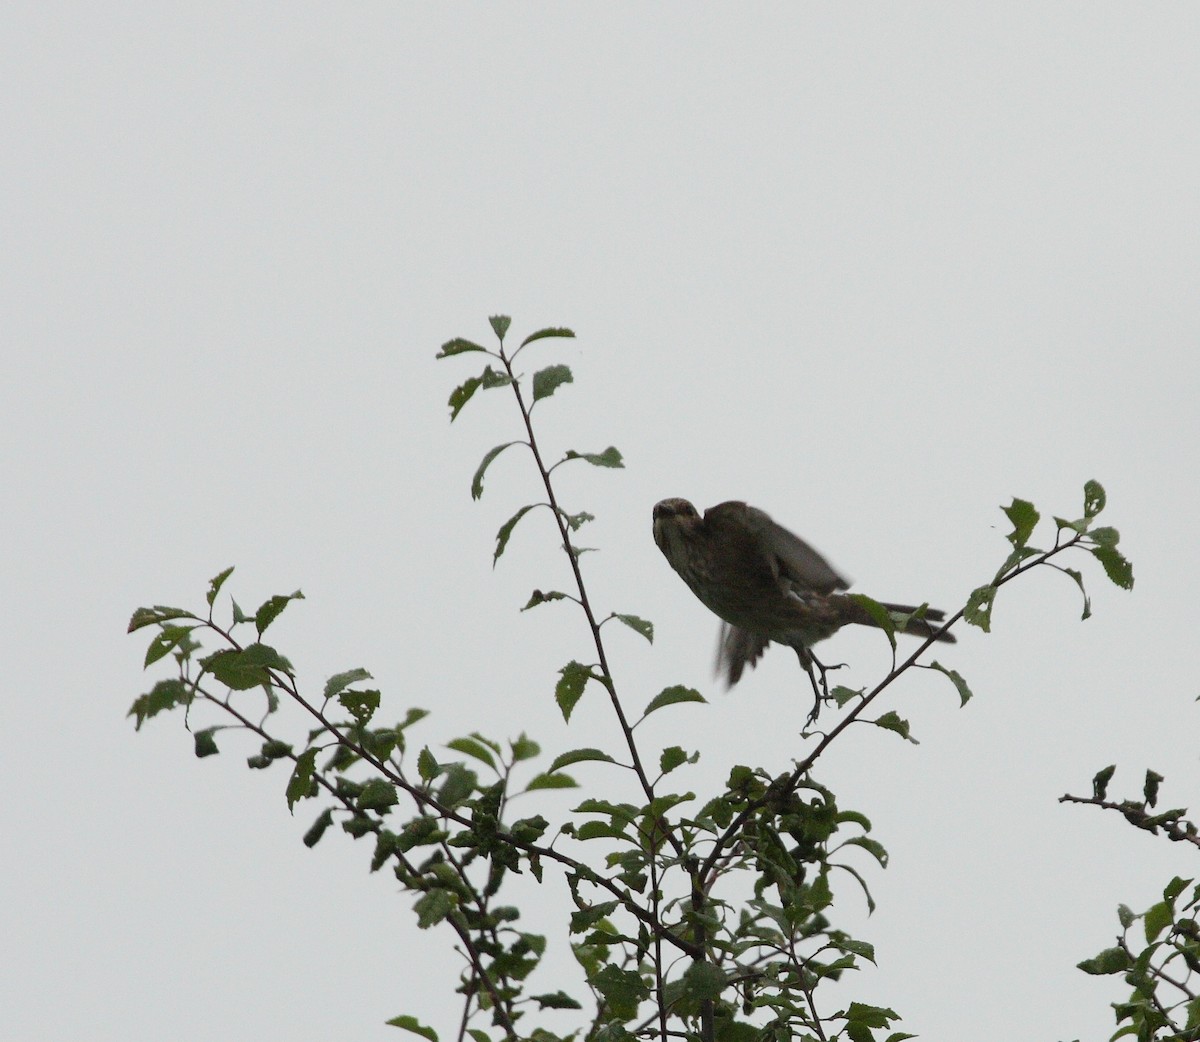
[820, 689]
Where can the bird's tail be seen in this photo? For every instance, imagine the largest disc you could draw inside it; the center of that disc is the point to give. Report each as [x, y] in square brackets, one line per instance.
[924, 626]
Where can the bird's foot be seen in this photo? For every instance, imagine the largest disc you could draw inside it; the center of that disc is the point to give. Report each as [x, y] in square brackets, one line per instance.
[820, 687]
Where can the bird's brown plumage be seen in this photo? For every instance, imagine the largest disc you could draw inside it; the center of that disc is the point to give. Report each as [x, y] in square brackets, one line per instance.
[763, 582]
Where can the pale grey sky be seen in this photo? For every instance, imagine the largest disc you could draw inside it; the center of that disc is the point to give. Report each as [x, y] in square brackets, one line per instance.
[876, 269]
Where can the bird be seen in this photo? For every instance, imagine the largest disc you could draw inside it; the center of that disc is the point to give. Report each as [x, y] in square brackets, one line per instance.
[766, 584]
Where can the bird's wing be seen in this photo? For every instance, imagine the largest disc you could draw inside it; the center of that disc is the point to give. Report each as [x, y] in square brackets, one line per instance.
[797, 561]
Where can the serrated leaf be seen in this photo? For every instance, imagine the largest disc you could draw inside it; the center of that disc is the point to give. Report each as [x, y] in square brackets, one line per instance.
[340, 681]
[458, 346]
[703, 981]
[313, 836]
[506, 531]
[1105, 536]
[964, 692]
[491, 378]
[461, 395]
[427, 766]
[473, 747]
[978, 611]
[1101, 780]
[270, 609]
[878, 613]
[1087, 601]
[1021, 553]
[1116, 567]
[546, 780]
[359, 704]
[477, 480]
[577, 521]
[206, 745]
[524, 748]
[151, 616]
[415, 1026]
[541, 334]
[500, 324]
[166, 694]
[623, 990]
[1094, 499]
[569, 689]
[673, 695]
[242, 670]
[672, 757]
[892, 721]
[1024, 518]
[547, 381]
[578, 756]
[1150, 787]
[215, 584]
[1157, 918]
[610, 457]
[646, 629]
[842, 694]
[1111, 960]
[165, 641]
[458, 785]
[538, 597]
[299, 785]
[377, 795]
[556, 1000]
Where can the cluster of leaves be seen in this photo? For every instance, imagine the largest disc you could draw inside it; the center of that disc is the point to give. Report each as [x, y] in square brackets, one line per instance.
[700, 918]
[1161, 960]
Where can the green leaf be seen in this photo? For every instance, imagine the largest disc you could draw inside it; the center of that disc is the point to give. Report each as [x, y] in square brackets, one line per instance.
[555, 1000]
[578, 756]
[1021, 553]
[610, 457]
[377, 795]
[547, 381]
[166, 640]
[299, 785]
[546, 780]
[460, 783]
[1101, 780]
[1093, 499]
[878, 613]
[491, 378]
[1024, 518]
[1105, 536]
[458, 346]
[473, 747]
[673, 695]
[205, 743]
[702, 981]
[569, 689]
[646, 629]
[500, 324]
[541, 334]
[433, 907]
[1087, 601]
[166, 694]
[1118, 570]
[477, 480]
[1157, 918]
[153, 616]
[461, 395]
[340, 681]
[427, 766]
[891, 721]
[623, 990]
[538, 597]
[1150, 788]
[215, 584]
[245, 669]
[978, 611]
[360, 704]
[506, 531]
[964, 692]
[1111, 960]
[841, 695]
[524, 748]
[313, 836]
[413, 1025]
[270, 610]
[672, 757]
[577, 521]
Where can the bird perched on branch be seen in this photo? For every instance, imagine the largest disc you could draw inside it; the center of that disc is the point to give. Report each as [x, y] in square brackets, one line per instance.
[766, 584]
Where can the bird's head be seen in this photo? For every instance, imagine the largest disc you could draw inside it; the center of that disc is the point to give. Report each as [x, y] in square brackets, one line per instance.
[674, 520]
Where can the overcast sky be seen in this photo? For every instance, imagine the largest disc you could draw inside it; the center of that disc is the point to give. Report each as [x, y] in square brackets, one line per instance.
[874, 268]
